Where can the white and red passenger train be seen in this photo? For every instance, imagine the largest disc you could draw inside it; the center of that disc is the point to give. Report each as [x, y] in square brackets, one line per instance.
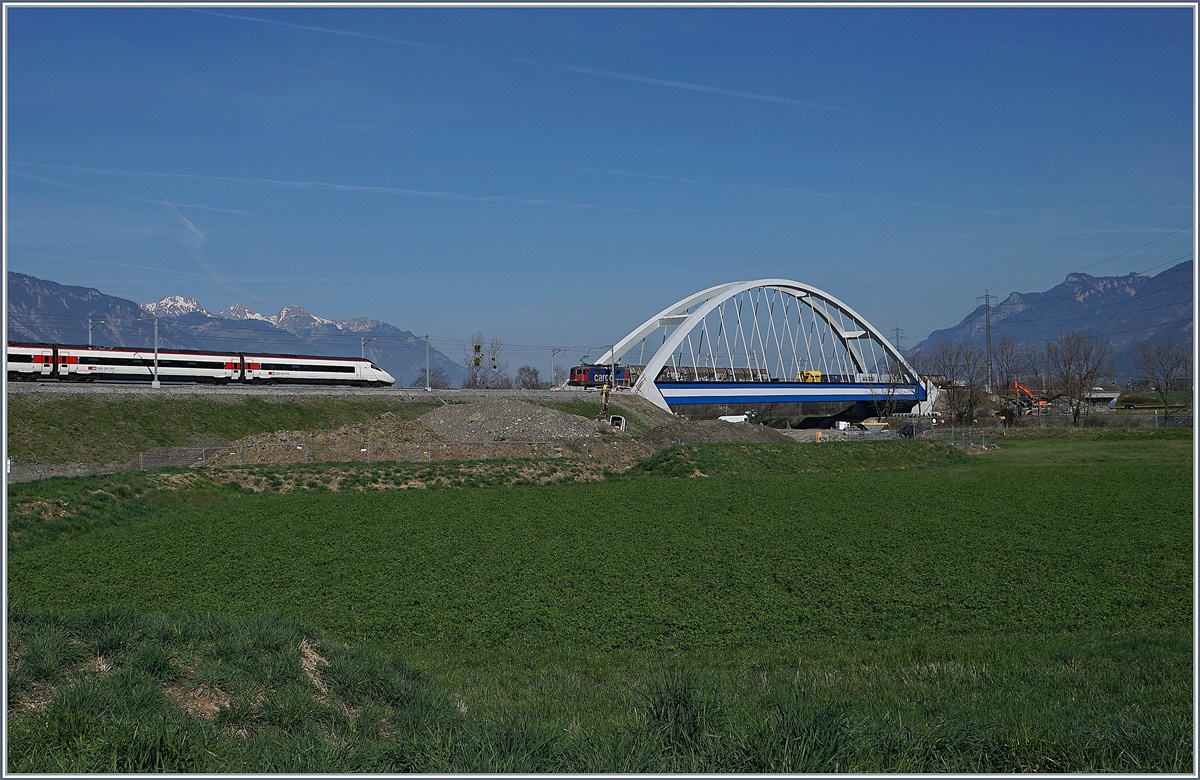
[130, 364]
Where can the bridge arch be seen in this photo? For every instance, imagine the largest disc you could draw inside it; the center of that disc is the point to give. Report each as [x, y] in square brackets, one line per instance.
[767, 332]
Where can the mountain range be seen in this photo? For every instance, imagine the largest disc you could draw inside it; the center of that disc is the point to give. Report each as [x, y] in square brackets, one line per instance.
[44, 311]
[1125, 310]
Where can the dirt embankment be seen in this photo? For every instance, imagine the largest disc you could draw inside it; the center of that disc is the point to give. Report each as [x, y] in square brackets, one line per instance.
[506, 419]
[487, 429]
[481, 429]
[475, 428]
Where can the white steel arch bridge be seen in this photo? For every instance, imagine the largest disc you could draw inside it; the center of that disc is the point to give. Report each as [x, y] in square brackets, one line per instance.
[764, 341]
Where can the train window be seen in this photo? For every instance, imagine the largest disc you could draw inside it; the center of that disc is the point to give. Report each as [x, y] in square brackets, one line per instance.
[90, 360]
[201, 364]
[317, 367]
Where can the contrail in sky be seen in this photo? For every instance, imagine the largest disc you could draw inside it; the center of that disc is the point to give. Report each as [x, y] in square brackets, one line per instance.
[157, 271]
[1024, 212]
[686, 85]
[794, 190]
[608, 74]
[88, 191]
[335, 187]
[197, 238]
[195, 243]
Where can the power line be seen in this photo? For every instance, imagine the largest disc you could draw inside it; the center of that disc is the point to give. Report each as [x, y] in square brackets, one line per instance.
[1067, 293]
[1092, 265]
[1187, 320]
[1108, 305]
[1148, 327]
[1114, 257]
[236, 336]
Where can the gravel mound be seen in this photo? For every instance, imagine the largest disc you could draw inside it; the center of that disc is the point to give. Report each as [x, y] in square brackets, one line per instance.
[506, 419]
[386, 437]
[466, 427]
[387, 427]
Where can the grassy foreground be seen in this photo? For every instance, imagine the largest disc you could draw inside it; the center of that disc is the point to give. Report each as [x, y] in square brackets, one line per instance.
[105, 430]
[885, 606]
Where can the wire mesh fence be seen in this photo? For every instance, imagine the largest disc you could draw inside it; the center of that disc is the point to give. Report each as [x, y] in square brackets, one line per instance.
[619, 453]
[963, 437]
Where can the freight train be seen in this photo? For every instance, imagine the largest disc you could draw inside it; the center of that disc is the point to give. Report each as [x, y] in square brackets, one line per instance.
[595, 375]
[592, 375]
[131, 364]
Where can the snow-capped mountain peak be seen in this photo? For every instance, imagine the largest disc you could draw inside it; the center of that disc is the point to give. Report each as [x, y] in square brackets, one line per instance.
[293, 317]
[359, 324]
[240, 311]
[173, 306]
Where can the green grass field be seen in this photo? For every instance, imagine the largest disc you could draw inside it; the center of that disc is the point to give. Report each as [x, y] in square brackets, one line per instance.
[104, 430]
[1149, 398]
[852, 607]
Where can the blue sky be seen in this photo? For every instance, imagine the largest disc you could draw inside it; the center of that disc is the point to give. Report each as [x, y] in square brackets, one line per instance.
[554, 176]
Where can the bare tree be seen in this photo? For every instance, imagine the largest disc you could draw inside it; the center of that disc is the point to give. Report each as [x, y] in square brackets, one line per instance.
[963, 371]
[485, 369]
[883, 395]
[1012, 363]
[528, 378]
[1166, 366]
[438, 378]
[1074, 364]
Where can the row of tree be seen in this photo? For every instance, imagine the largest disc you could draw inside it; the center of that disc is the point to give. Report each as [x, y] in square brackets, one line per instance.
[1067, 368]
[486, 370]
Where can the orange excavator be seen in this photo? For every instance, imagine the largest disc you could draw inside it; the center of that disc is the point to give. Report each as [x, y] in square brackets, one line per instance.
[1031, 403]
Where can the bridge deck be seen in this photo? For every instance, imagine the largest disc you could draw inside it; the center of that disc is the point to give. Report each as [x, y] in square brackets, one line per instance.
[677, 393]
